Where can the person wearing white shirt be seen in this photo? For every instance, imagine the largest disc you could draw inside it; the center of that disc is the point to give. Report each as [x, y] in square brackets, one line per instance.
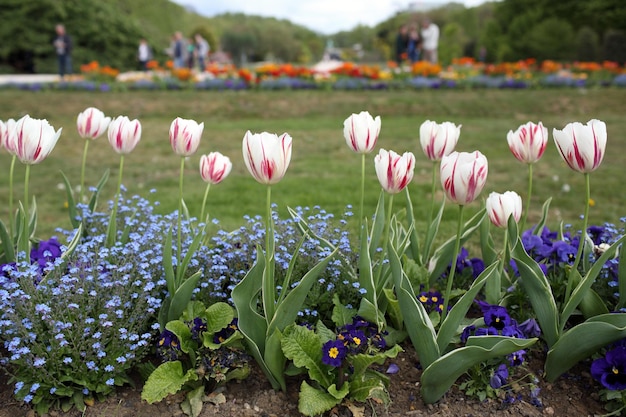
[430, 41]
[144, 54]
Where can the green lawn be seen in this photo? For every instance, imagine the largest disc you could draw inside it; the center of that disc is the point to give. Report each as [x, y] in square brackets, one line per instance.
[323, 170]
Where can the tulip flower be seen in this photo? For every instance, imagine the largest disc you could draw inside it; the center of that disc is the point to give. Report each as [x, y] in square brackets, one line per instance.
[528, 144]
[502, 206]
[33, 140]
[438, 140]
[267, 156]
[214, 168]
[361, 132]
[91, 123]
[582, 146]
[6, 129]
[185, 136]
[124, 134]
[394, 171]
[463, 176]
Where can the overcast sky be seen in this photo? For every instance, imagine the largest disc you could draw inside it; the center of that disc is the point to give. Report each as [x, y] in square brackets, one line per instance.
[324, 16]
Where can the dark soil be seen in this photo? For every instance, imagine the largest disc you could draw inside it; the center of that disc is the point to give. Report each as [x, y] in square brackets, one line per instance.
[572, 395]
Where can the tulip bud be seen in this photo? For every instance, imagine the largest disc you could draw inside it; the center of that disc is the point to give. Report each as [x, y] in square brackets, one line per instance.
[394, 172]
[463, 176]
[361, 132]
[214, 167]
[33, 139]
[92, 123]
[438, 140]
[582, 146]
[528, 142]
[267, 156]
[185, 136]
[124, 134]
[502, 206]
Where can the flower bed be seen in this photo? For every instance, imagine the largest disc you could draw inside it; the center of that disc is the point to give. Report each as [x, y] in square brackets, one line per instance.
[462, 73]
[303, 295]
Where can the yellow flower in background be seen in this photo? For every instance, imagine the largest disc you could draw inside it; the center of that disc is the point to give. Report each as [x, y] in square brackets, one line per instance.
[592, 202]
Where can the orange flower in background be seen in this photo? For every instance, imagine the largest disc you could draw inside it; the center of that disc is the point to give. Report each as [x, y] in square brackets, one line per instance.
[183, 74]
[169, 64]
[425, 68]
[246, 74]
[549, 66]
[152, 65]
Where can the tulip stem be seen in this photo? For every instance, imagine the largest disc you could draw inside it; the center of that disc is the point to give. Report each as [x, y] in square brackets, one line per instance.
[179, 237]
[112, 228]
[378, 284]
[433, 189]
[24, 237]
[206, 194]
[457, 246]
[362, 191]
[82, 171]
[11, 214]
[528, 196]
[581, 243]
[268, 287]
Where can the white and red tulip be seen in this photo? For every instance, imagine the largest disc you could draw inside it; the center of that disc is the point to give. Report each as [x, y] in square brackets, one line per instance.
[185, 136]
[463, 176]
[267, 155]
[32, 140]
[92, 123]
[6, 129]
[394, 172]
[361, 132]
[528, 142]
[214, 167]
[582, 146]
[502, 206]
[438, 139]
[124, 134]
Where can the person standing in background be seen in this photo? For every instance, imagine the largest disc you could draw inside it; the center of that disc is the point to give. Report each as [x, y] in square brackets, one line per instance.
[144, 54]
[63, 46]
[402, 42]
[415, 45]
[202, 51]
[430, 41]
[179, 50]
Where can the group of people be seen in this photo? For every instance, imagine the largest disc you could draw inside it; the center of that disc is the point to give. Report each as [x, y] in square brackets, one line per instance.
[414, 44]
[186, 53]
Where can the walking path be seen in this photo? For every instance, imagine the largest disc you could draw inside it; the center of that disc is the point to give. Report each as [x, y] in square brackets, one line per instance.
[27, 78]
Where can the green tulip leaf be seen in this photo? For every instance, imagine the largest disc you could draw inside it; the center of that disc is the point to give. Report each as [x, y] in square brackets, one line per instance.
[544, 215]
[622, 279]
[431, 232]
[8, 249]
[439, 376]
[71, 203]
[414, 247]
[93, 201]
[421, 330]
[181, 297]
[377, 227]
[453, 319]
[582, 341]
[538, 289]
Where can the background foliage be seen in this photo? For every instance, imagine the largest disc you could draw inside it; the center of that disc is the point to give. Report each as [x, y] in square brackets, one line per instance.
[507, 30]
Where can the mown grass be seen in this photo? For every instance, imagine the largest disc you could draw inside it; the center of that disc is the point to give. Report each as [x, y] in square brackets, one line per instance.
[323, 170]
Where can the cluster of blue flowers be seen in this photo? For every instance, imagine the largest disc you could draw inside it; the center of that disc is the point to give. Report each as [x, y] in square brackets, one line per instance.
[231, 254]
[80, 324]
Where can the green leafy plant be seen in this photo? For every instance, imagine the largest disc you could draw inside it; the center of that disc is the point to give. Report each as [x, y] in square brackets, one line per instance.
[201, 350]
[338, 364]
